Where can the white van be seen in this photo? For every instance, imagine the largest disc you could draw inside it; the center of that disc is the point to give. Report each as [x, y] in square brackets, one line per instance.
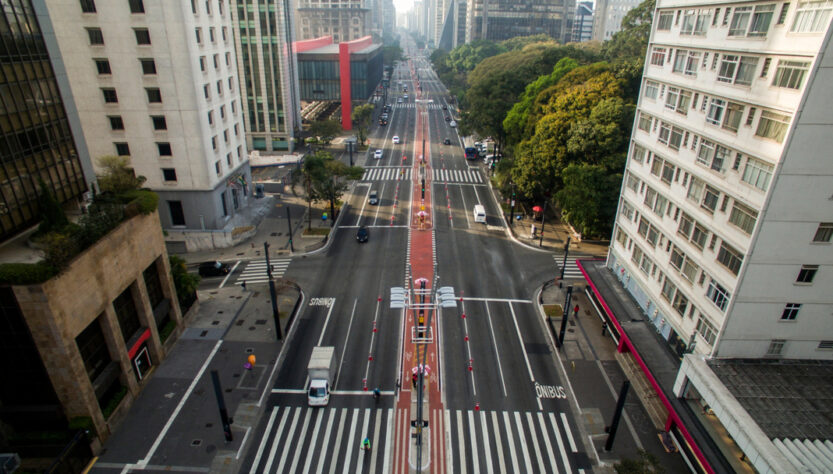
[479, 213]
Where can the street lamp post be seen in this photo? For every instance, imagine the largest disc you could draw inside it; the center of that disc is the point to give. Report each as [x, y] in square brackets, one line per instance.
[512, 212]
[273, 294]
[541, 241]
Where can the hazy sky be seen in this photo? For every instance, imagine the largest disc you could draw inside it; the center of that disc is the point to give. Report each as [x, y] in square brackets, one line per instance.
[403, 5]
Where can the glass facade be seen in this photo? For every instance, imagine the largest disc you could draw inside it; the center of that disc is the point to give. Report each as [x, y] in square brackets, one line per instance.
[35, 139]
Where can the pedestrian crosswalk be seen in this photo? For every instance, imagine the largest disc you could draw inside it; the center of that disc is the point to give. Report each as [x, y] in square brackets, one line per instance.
[405, 173]
[303, 440]
[412, 105]
[494, 441]
[255, 271]
[571, 270]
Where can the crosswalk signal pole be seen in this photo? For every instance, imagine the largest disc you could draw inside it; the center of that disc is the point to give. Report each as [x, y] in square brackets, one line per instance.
[566, 316]
[272, 293]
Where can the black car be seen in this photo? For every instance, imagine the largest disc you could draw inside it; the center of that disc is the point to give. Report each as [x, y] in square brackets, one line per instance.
[212, 269]
[447, 118]
[447, 141]
[362, 235]
[445, 107]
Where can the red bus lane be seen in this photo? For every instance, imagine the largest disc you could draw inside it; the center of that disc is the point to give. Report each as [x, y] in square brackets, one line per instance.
[421, 256]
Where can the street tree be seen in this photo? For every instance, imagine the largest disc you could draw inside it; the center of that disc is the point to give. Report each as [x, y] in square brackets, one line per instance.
[361, 116]
[391, 53]
[325, 130]
[631, 41]
[117, 175]
[326, 179]
[646, 463]
[588, 198]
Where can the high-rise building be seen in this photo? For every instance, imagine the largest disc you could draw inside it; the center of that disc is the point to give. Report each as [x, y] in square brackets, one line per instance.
[39, 138]
[583, 22]
[724, 226]
[498, 20]
[454, 28]
[264, 40]
[607, 17]
[157, 81]
[344, 21]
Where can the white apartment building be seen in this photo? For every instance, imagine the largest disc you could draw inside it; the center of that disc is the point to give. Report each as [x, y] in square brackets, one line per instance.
[723, 232]
[264, 40]
[156, 81]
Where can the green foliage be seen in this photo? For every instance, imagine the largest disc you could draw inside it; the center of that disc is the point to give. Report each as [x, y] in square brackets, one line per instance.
[140, 201]
[586, 200]
[647, 463]
[631, 42]
[185, 283]
[83, 423]
[326, 130]
[167, 330]
[361, 116]
[113, 403]
[53, 216]
[520, 42]
[58, 249]
[26, 273]
[392, 53]
[118, 176]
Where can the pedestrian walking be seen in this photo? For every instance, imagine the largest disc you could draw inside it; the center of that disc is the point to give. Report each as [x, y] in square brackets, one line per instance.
[414, 379]
[243, 285]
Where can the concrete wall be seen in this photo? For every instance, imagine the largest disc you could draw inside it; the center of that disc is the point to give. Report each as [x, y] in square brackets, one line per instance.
[58, 310]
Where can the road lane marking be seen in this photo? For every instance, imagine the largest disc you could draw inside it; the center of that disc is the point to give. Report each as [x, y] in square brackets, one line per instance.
[363, 434]
[510, 439]
[497, 352]
[390, 435]
[327, 321]
[311, 453]
[263, 442]
[521, 340]
[286, 446]
[522, 441]
[498, 442]
[569, 433]
[547, 443]
[223, 283]
[496, 300]
[461, 442]
[473, 439]
[300, 437]
[487, 446]
[376, 438]
[535, 441]
[558, 439]
[339, 433]
[346, 341]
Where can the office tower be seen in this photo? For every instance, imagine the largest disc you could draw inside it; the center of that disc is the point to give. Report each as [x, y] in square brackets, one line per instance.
[346, 21]
[583, 22]
[607, 17]
[37, 126]
[498, 20]
[156, 81]
[264, 39]
[724, 225]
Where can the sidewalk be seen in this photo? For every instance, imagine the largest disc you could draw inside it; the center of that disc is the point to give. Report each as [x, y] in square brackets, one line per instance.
[175, 423]
[590, 360]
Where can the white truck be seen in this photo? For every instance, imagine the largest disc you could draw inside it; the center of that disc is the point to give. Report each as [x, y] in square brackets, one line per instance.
[320, 370]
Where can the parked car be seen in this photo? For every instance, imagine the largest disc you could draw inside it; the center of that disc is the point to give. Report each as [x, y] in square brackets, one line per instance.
[377, 154]
[212, 269]
[362, 235]
[396, 139]
[452, 124]
[447, 141]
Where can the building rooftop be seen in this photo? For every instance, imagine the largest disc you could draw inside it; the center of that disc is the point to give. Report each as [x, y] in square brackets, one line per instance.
[790, 399]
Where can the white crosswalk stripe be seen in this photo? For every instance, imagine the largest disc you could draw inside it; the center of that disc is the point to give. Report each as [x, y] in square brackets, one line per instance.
[303, 439]
[386, 174]
[457, 176]
[255, 271]
[505, 442]
[572, 270]
[412, 105]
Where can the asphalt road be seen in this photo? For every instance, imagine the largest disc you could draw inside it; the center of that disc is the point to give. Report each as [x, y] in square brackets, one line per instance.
[509, 412]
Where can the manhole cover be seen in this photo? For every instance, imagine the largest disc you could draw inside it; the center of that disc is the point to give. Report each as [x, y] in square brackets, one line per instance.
[260, 322]
[214, 323]
[203, 333]
[251, 328]
[220, 312]
[571, 330]
[572, 322]
[196, 442]
[240, 323]
[209, 425]
[249, 350]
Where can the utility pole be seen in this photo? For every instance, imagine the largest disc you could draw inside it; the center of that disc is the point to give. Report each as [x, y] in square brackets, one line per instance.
[512, 215]
[566, 316]
[221, 404]
[289, 226]
[272, 293]
[350, 150]
[541, 241]
[566, 251]
[614, 425]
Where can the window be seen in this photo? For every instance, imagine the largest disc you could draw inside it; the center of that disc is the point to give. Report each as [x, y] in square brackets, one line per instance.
[677, 258]
[225, 34]
[219, 87]
[627, 210]
[644, 122]
[159, 122]
[765, 67]
[110, 96]
[782, 17]
[746, 70]
[202, 63]
[651, 89]
[211, 36]
[222, 111]
[706, 330]
[665, 21]
[225, 135]
[746, 22]
[88, 6]
[668, 289]
[743, 217]
[164, 148]
[154, 95]
[730, 258]
[142, 36]
[807, 273]
[638, 154]
[680, 60]
[737, 70]
[116, 122]
[695, 189]
[228, 159]
[148, 66]
[811, 17]
[710, 198]
[824, 233]
[228, 59]
[216, 59]
[137, 6]
[671, 136]
[772, 125]
[103, 66]
[198, 35]
[680, 303]
[122, 149]
[632, 182]
[678, 100]
[214, 142]
[790, 74]
[751, 116]
[757, 173]
[726, 16]
[699, 235]
[718, 295]
[776, 347]
[210, 115]
[694, 22]
[169, 174]
[206, 91]
[716, 108]
[825, 345]
[658, 56]
[621, 237]
[217, 167]
[790, 312]
[668, 172]
[95, 35]
[734, 113]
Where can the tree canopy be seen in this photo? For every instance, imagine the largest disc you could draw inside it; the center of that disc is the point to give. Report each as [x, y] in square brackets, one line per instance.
[631, 42]
[362, 116]
[325, 130]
